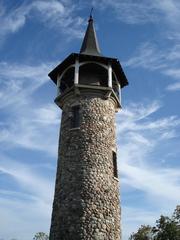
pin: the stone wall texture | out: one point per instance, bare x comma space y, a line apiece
86, 202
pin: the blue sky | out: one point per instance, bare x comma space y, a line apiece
35, 36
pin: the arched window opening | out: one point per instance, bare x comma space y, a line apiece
93, 74
67, 80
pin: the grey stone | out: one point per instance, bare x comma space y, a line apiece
86, 203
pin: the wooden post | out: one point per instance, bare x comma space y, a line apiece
109, 75
76, 72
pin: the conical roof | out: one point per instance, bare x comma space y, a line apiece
90, 44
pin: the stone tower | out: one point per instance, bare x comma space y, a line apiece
86, 202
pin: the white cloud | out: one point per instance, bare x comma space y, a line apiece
137, 117
165, 61
18, 214
51, 9
149, 56
33, 129
30, 203
32, 121
135, 12
174, 86
48, 115
60, 15
131, 12
161, 185
54, 14
17, 82
28, 178
134, 113
131, 217
173, 72
153, 57
144, 167
171, 10
28, 124
34, 125
11, 23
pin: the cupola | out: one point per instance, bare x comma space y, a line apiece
89, 70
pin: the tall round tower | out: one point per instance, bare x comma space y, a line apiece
86, 202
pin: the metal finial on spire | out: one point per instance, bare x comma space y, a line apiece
90, 15
91, 12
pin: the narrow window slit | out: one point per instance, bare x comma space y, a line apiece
115, 169
75, 120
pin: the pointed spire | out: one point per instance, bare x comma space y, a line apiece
90, 44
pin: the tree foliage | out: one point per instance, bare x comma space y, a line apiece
41, 236
167, 228
143, 233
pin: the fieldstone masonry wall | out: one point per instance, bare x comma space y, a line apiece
86, 202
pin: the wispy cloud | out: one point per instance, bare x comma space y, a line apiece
140, 134
19, 213
174, 87
19, 81
31, 123
135, 12
28, 125
150, 57
131, 11
159, 54
30, 129
29, 178
55, 14
31, 201
171, 11
131, 217
147, 140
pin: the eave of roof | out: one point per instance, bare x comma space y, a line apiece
116, 66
